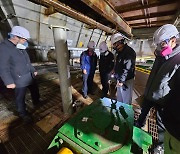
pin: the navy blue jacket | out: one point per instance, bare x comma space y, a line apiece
15, 65
88, 62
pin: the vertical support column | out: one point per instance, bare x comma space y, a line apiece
79, 35
99, 39
140, 49
60, 39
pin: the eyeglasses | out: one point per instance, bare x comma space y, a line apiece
163, 44
22, 38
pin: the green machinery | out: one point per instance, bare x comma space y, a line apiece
105, 126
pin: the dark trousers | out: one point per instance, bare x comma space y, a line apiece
20, 94
104, 82
87, 83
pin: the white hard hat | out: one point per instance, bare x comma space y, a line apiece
20, 31
103, 47
91, 45
165, 32
116, 37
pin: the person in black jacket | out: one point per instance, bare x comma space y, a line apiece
124, 68
16, 70
106, 64
163, 86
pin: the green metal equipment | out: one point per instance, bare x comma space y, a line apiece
105, 126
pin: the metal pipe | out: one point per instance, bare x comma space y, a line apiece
79, 35
91, 35
99, 39
62, 8
140, 49
60, 40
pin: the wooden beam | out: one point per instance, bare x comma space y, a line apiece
152, 15
176, 19
64, 9
49, 11
103, 8
138, 5
144, 33
153, 22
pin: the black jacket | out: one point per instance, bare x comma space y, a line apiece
125, 64
163, 90
106, 62
15, 65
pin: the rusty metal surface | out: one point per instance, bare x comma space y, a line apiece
62, 8
105, 10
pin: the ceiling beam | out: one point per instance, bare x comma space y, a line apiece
152, 22
176, 19
49, 11
103, 8
64, 9
138, 5
144, 32
152, 15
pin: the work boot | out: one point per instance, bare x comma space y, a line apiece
85, 96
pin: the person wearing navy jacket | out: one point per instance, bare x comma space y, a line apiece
88, 61
16, 70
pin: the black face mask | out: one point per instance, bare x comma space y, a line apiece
115, 47
117, 44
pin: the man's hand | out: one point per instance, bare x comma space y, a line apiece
119, 84
11, 86
35, 73
112, 72
84, 71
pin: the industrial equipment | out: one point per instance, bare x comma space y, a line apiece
105, 126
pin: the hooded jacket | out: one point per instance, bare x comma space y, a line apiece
163, 89
15, 65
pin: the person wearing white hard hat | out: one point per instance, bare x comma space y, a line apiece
106, 64
163, 86
88, 61
124, 70
16, 70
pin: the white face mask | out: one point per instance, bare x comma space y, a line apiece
22, 46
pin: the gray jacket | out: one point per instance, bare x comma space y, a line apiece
15, 65
163, 88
